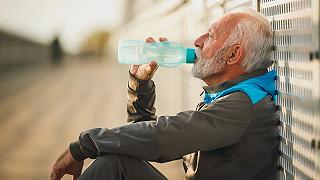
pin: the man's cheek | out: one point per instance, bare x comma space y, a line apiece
209, 53
208, 43
209, 50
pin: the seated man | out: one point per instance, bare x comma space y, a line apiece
231, 135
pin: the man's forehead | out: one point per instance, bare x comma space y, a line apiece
225, 23
213, 25
216, 27
217, 24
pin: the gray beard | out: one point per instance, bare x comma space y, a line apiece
205, 68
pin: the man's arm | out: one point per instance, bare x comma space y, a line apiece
140, 100
66, 163
141, 91
171, 137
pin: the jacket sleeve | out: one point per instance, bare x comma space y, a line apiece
140, 100
219, 124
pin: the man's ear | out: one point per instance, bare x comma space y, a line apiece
234, 55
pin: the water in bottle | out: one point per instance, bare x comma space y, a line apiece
166, 53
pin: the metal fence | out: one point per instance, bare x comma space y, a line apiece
295, 24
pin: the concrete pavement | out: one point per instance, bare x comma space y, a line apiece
40, 117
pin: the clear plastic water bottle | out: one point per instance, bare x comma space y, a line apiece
166, 53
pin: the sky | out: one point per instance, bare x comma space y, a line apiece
73, 20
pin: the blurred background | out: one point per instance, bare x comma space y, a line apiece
59, 74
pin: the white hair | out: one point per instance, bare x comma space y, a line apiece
255, 36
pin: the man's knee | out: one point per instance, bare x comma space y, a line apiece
104, 167
106, 161
120, 167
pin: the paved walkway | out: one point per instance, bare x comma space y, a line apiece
42, 110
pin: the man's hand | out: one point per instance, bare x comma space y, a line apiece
146, 71
66, 164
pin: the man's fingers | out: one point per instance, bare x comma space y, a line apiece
163, 39
145, 71
57, 172
152, 67
75, 177
153, 64
54, 176
150, 40
134, 69
148, 69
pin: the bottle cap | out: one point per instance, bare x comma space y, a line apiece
191, 55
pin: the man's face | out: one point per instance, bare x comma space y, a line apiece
210, 57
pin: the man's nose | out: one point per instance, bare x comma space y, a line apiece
199, 42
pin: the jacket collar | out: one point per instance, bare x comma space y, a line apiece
225, 85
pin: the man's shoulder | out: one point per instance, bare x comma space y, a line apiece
234, 100
239, 101
243, 98
236, 107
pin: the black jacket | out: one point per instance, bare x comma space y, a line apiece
228, 139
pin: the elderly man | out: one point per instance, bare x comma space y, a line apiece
231, 135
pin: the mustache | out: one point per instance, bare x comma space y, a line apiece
198, 53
